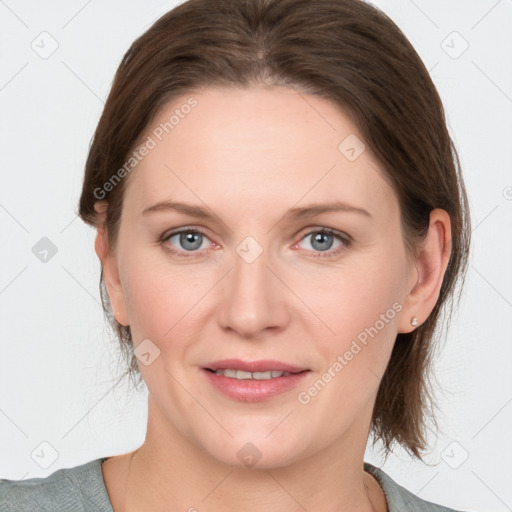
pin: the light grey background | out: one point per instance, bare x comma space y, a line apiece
57, 354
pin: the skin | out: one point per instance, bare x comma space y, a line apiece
249, 155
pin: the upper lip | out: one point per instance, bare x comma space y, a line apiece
254, 366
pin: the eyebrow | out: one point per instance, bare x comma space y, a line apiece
295, 213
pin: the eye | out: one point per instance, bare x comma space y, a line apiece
186, 241
323, 242
326, 241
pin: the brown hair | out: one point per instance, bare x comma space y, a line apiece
348, 52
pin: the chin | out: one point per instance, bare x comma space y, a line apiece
256, 450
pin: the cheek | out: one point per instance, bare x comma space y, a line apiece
361, 307
152, 304
362, 312
370, 301
163, 304
348, 301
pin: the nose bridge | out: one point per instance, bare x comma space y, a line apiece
253, 297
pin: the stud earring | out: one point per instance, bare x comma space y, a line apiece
414, 321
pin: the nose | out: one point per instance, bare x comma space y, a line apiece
254, 299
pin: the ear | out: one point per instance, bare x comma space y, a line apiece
426, 275
110, 267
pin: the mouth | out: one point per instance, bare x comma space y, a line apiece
253, 381
232, 373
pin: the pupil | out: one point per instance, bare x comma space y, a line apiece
191, 238
321, 238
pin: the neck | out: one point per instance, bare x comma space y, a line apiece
170, 472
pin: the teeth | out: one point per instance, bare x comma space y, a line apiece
243, 375
263, 375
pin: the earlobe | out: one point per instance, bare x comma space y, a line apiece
111, 277
431, 262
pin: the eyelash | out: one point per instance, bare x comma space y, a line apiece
347, 241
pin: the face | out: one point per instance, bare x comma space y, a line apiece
285, 254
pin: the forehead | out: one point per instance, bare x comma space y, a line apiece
257, 147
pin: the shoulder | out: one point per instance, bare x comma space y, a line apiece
399, 498
81, 488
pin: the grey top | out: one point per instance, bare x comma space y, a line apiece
82, 488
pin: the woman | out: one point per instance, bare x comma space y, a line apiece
280, 221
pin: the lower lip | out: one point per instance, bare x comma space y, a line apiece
250, 390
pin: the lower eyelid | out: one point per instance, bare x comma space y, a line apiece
346, 241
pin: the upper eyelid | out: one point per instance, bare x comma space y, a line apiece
307, 231
343, 237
